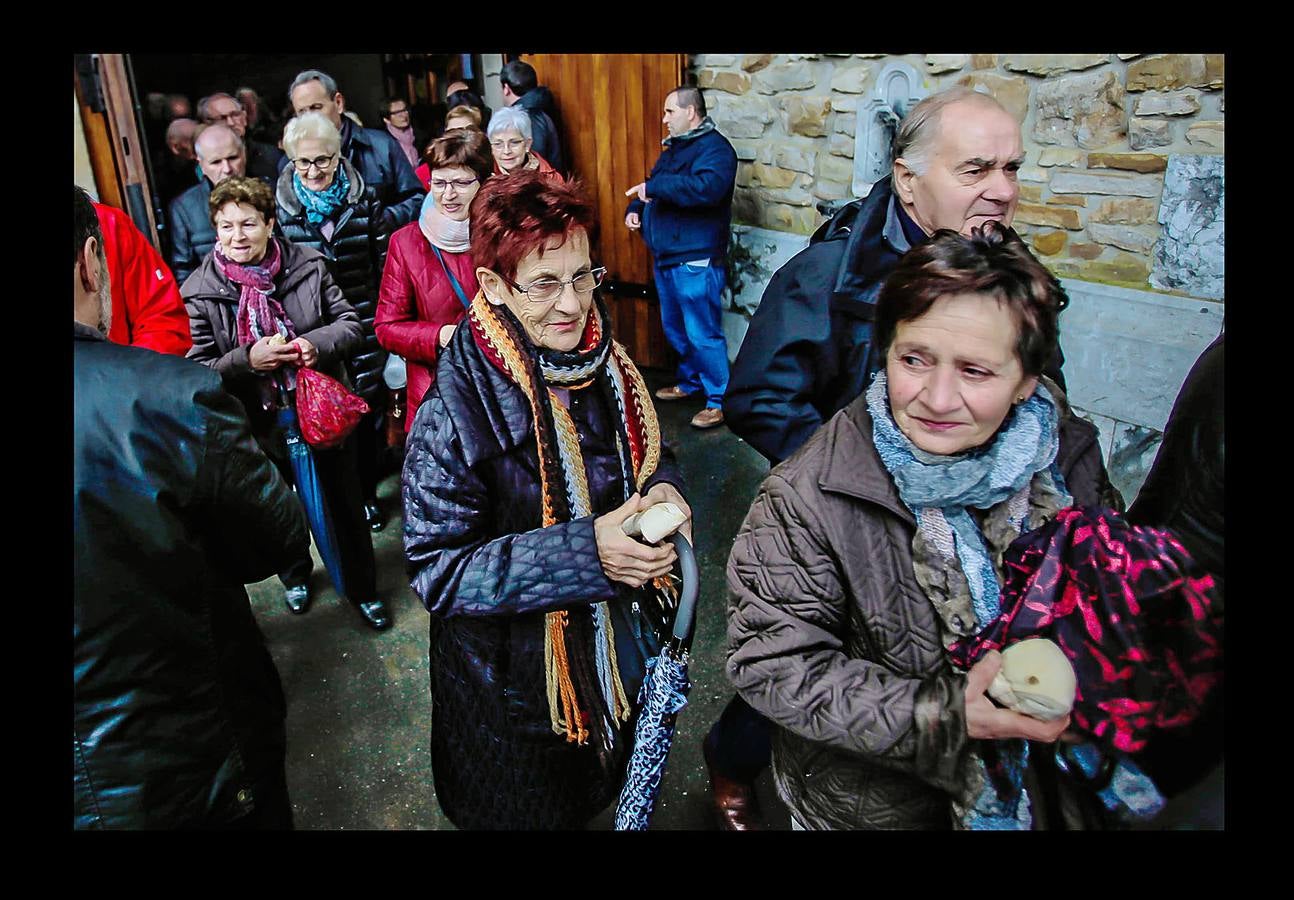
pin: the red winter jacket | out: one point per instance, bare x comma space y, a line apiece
146, 307
415, 300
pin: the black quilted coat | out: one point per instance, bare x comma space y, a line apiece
488, 573
832, 638
355, 254
177, 712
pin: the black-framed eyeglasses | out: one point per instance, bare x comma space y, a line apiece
440, 184
322, 163
546, 290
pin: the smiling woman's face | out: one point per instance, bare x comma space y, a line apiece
243, 233
953, 373
556, 324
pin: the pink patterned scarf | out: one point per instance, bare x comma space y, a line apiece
259, 314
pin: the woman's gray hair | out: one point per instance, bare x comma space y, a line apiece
311, 126
915, 138
510, 118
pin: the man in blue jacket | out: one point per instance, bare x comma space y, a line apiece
375, 153
684, 210
220, 153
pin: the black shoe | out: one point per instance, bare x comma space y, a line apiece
376, 614
297, 598
373, 516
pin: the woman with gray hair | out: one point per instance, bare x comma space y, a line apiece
324, 203
511, 138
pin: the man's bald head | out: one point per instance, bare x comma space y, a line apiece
916, 135
179, 137
220, 153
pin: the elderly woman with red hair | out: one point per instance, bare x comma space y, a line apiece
535, 443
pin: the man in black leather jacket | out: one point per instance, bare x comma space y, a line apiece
178, 712
809, 349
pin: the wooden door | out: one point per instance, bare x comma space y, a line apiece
609, 108
114, 139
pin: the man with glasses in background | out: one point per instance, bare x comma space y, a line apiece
396, 115
375, 153
263, 160
683, 211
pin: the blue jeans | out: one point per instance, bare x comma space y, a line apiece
690, 310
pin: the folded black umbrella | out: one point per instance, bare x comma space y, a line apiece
1136, 617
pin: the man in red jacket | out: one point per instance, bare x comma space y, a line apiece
146, 307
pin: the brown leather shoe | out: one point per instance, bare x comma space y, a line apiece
736, 808
673, 392
709, 417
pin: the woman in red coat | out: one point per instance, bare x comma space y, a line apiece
429, 277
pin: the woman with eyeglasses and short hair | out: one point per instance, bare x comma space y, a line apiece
511, 138
535, 444
429, 277
324, 203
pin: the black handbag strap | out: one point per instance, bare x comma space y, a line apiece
453, 282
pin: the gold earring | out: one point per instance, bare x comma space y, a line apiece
1019, 399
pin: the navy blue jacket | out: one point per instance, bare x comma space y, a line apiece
538, 104
488, 573
178, 712
809, 349
690, 189
385, 169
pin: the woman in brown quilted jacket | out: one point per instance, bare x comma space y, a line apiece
879, 543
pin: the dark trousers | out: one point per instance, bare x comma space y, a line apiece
340, 482
741, 742
370, 441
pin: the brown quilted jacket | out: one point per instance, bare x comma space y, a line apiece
831, 637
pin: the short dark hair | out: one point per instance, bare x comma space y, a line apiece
689, 95
252, 191
85, 222
512, 216
520, 77
462, 147
993, 261
465, 98
387, 103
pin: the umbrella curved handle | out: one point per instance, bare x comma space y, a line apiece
685, 617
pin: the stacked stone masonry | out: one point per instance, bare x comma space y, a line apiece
1099, 131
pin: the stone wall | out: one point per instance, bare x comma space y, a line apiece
1122, 182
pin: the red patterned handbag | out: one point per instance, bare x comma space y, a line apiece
327, 412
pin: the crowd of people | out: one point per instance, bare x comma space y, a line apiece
903, 376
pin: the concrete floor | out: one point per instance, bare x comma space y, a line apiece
359, 709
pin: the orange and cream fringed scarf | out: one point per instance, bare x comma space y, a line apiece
584, 694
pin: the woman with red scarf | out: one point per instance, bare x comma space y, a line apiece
536, 441
259, 307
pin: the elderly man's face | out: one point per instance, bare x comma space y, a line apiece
678, 119
311, 97
226, 111
220, 156
971, 174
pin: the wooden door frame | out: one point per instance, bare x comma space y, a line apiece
118, 153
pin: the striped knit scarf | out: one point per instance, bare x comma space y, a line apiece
585, 693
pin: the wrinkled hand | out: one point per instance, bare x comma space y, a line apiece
266, 357
446, 332
309, 353
641, 190
625, 559
986, 721
664, 492
633, 221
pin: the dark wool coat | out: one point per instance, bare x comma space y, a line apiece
831, 637
356, 253
177, 709
488, 573
311, 299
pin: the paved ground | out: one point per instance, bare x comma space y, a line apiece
359, 711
